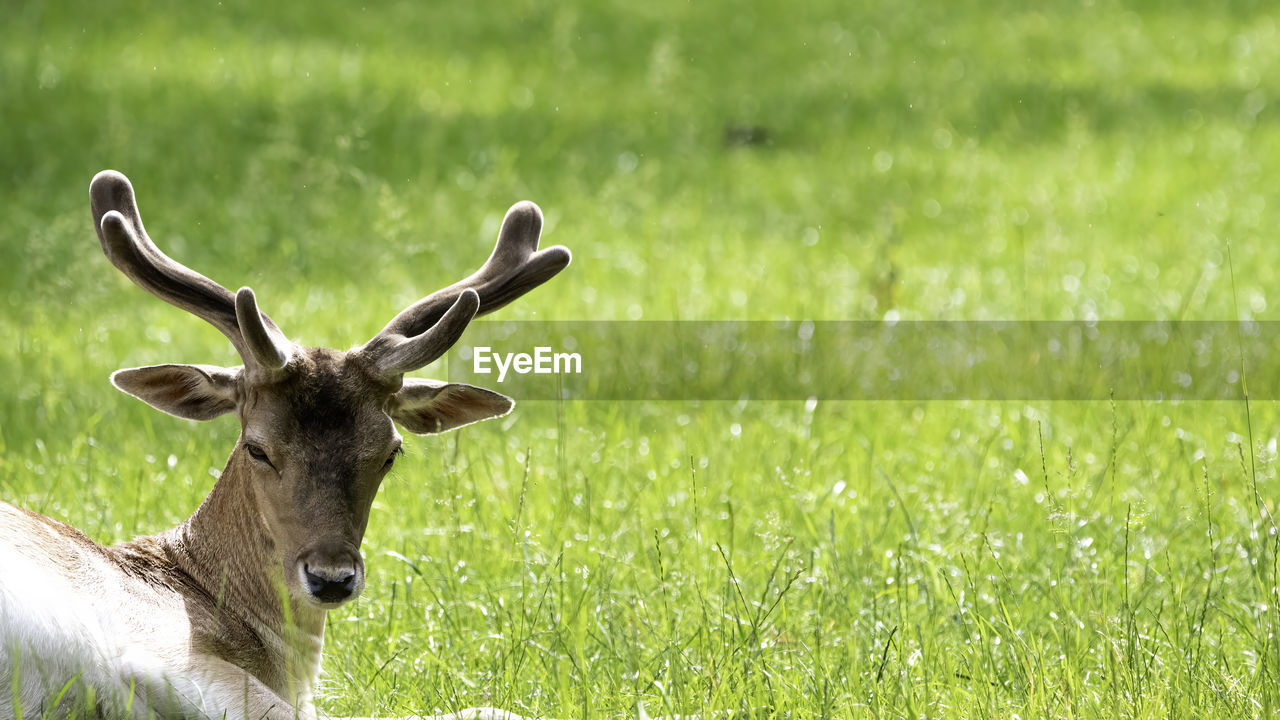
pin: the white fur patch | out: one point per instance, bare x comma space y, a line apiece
75, 638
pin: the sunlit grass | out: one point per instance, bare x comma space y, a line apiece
945, 161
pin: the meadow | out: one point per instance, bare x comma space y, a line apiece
828, 160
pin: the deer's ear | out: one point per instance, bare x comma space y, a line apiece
430, 406
194, 392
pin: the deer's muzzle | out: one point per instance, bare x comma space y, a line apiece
331, 573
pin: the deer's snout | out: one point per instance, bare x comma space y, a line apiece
331, 573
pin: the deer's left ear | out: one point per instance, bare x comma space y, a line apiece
430, 406
194, 392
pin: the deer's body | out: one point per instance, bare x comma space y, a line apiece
223, 616
128, 622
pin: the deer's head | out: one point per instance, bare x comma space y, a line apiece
318, 425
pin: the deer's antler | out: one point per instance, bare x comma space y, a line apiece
427, 329
255, 336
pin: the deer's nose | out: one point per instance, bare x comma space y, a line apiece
331, 575
329, 586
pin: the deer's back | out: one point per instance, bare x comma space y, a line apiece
69, 616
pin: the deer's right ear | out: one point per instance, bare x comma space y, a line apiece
426, 407
194, 392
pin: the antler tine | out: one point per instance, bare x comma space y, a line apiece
419, 350
269, 347
130, 249
515, 267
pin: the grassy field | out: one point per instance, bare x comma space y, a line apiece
705, 161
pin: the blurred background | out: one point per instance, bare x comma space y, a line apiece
704, 160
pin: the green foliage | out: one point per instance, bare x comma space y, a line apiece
821, 160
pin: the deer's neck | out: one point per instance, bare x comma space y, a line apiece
226, 548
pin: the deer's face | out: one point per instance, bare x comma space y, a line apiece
316, 445
316, 440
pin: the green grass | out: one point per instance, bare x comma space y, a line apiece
941, 160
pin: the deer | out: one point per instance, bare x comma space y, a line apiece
224, 615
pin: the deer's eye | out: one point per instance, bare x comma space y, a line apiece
258, 454
391, 459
